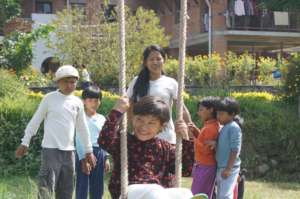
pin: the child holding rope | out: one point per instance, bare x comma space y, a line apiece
151, 160
204, 170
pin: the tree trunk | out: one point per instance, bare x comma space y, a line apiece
299, 106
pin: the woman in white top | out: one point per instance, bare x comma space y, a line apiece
85, 77
152, 81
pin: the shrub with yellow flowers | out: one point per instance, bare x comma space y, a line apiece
32, 77
292, 82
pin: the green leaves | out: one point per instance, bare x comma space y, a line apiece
279, 5
8, 9
96, 43
16, 53
292, 83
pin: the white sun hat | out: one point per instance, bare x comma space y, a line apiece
66, 71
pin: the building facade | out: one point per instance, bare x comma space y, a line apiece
237, 25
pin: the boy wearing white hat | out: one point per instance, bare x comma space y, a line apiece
62, 113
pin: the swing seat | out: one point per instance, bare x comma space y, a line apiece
155, 191
200, 196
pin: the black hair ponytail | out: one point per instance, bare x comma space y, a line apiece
239, 120
141, 85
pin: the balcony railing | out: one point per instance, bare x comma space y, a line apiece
265, 21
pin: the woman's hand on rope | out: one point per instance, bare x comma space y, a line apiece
181, 129
122, 104
21, 151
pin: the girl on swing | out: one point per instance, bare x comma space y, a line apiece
151, 160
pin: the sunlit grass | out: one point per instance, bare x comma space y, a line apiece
26, 188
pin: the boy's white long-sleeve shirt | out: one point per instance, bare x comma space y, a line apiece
61, 114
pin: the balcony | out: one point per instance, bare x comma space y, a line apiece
265, 21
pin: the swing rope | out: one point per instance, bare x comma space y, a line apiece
181, 74
122, 92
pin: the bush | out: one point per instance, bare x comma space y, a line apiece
270, 131
33, 78
10, 86
200, 71
222, 72
16, 51
292, 82
14, 115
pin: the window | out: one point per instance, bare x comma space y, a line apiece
43, 7
80, 6
110, 13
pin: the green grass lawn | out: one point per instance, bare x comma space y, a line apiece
26, 188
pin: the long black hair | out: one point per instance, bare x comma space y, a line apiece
141, 86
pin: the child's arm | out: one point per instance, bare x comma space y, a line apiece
235, 137
210, 138
32, 127
83, 133
109, 136
86, 167
193, 129
79, 149
206, 140
232, 157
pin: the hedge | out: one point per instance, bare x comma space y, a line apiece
270, 132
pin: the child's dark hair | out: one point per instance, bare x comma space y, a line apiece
210, 102
92, 91
231, 106
141, 86
151, 105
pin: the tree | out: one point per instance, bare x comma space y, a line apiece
95, 44
278, 5
16, 52
292, 81
8, 9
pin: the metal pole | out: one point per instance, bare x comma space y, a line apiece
68, 4
209, 27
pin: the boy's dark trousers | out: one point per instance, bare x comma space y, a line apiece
93, 183
56, 176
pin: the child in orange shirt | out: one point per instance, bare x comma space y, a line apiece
204, 170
